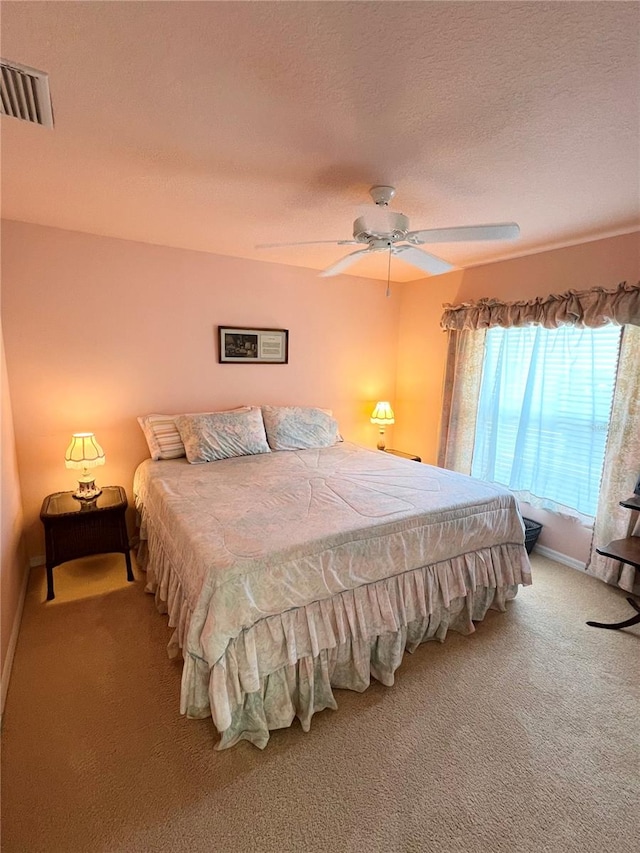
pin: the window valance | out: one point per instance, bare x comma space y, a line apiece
592, 308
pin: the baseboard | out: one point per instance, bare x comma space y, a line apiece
13, 642
37, 561
559, 558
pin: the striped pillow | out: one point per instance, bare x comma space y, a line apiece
163, 438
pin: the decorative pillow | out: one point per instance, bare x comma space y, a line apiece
163, 438
299, 427
220, 435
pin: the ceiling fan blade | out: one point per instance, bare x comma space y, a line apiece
343, 263
466, 233
421, 259
306, 243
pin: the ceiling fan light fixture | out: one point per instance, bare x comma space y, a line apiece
380, 224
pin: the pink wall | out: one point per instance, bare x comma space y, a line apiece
14, 563
422, 344
100, 330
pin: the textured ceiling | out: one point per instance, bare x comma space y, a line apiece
216, 126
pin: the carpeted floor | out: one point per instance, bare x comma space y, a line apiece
522, 737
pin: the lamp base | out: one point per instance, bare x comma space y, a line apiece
87, 490
381, 445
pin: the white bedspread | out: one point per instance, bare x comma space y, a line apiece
250, 537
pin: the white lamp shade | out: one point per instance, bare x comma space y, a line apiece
383, 414
84, 451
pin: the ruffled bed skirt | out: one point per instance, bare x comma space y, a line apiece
286, 666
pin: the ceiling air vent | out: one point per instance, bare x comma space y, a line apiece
24, 94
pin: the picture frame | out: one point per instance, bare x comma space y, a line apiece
252, 346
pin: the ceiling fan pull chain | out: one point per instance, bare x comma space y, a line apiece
388, 293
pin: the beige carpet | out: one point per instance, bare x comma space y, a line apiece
522, 737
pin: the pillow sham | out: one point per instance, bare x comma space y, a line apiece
299, 427
221, 435
163, 438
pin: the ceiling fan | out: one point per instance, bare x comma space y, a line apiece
384, 230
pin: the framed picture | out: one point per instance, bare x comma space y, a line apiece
252, 346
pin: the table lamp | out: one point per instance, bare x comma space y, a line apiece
84, 452
383, 416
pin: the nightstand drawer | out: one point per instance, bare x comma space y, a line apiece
91, 534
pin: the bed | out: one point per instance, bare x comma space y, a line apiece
290, 574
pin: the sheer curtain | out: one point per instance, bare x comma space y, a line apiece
543, 414
594, 308
460, 399
621, 466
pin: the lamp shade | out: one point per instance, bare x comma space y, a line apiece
84, 451
383, 414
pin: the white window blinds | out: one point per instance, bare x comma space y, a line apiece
543, 413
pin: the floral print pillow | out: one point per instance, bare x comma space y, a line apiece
221, 435
299, 427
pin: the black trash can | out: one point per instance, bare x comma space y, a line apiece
531, 532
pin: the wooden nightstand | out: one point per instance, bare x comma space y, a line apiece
74, 528
403, 455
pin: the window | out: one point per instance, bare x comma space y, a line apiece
543, 413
